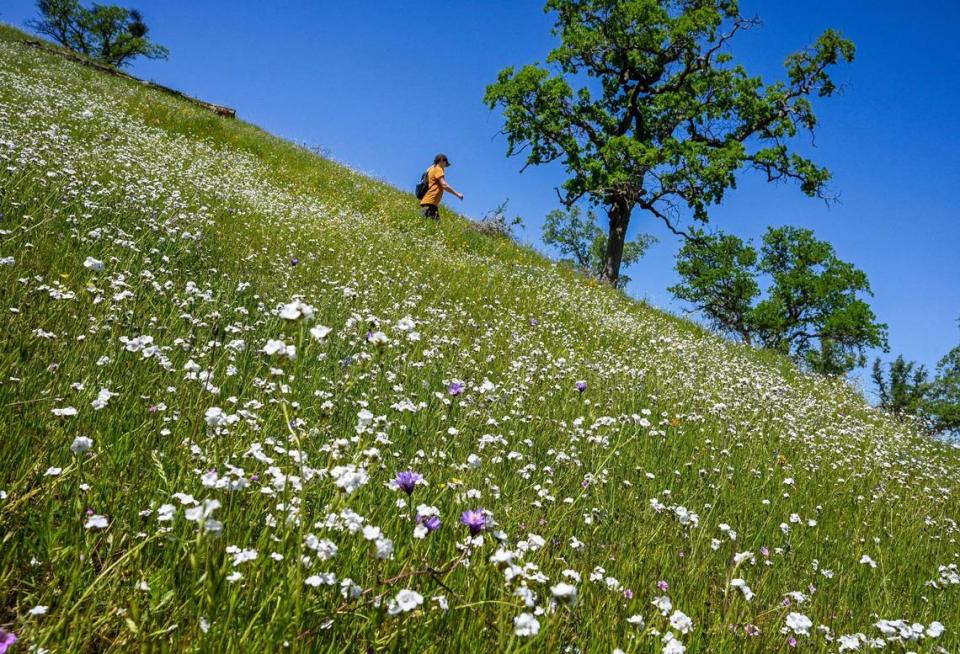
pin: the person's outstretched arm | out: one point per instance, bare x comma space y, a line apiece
447, 187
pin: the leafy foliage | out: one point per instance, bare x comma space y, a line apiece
719, 273
811, 311
644, 107
111, 34
583, 243
903, 391
943, 402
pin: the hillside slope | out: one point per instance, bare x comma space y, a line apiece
221, 350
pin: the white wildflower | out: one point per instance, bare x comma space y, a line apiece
681, 622
799, 623
319, 332
405, 601
526, 624
81, 444
565, 592
96, 522
93, 264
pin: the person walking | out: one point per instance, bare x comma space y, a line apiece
436, 184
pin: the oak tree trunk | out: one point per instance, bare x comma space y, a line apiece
619, 215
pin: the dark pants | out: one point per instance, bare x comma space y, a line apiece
430, 211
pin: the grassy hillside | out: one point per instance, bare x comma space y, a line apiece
220, 350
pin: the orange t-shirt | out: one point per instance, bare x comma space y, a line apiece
434, 190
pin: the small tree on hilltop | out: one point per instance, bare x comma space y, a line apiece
496, 223
646, 109
812, 310
903, 390
583, 244
943, 402
107, 33
720, 280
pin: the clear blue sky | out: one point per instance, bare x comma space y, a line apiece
386, 85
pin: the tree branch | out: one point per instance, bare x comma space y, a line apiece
649, 206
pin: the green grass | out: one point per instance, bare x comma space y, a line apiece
196, 220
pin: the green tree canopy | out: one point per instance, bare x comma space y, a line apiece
720, 279
583, 244
108, 33
943, 402
811, 308
903, 390
645, 108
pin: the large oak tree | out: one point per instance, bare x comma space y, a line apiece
583, 244
646, 109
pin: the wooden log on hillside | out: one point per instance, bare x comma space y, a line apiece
218, 109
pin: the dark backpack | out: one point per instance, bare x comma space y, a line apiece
423, 186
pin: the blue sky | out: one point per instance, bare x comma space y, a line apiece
386, 85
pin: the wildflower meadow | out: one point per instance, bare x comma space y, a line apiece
252, 401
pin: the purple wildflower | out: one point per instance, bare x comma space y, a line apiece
407, 481
662, 585
456, 388
628, 593
431, 522
792, 642
475, 520
581, 386
533, 322
765, 551
294, 261
7, 639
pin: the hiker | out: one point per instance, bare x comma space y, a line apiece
433, 184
